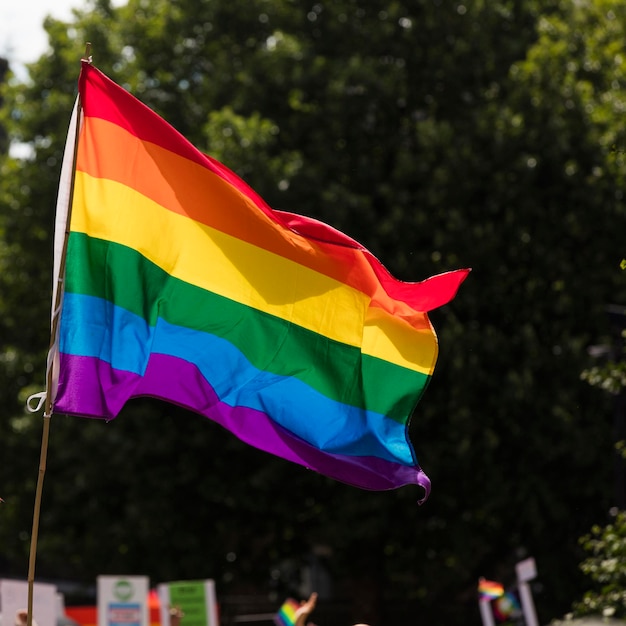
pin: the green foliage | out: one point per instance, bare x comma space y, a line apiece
4, 143
610, 377
606, 566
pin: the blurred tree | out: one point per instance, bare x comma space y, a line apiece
441, 135
606, 566
4, 143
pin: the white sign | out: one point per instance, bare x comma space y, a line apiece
526, 570
14, 598
123, 601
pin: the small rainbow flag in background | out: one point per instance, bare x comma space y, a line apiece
506, 607
182, 284
286, 615
489, 589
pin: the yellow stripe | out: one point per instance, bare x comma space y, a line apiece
399, 342
267, 282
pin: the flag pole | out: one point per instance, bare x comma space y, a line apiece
50, 382
486, 614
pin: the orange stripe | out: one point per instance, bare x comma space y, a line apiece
189, 189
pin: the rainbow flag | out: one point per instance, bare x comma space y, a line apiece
180, 283
489, 589
286, 615
507, 607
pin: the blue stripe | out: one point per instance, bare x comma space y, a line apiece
94, 327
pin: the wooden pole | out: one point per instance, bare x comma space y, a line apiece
56, 312
36, 514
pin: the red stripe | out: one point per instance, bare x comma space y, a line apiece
102, 98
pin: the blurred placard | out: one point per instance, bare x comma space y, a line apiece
14, 598
196, 599
526, 570
123, 601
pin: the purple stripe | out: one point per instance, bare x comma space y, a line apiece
98, 390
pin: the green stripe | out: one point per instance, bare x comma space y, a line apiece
124, 277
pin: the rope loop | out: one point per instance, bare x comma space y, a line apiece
40, 397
